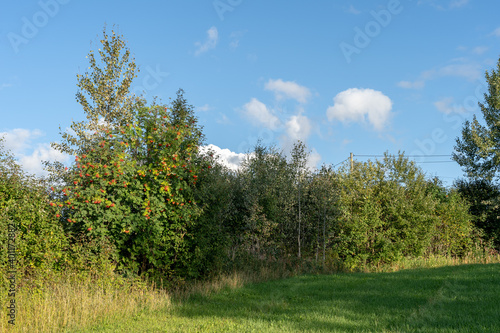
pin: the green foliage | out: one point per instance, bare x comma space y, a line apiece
388, 212
323, 210
40, 240
215, 231
104, 94
477, 152
484, 199
267, 208
455, 233
135, 188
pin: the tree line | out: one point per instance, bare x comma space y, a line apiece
141, 199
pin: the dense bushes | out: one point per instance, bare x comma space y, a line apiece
121, 202
135, 188
40, 241
484, 199
389, 211
377, 213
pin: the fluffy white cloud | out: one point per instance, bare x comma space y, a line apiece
19, 139
19, 142
227, 157
259, 114
298, 127
314, 159
210, 43
288, 89
447, 106
359, 105
32, 163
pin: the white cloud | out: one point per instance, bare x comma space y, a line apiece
298, 127
32, 163
418, 84
210, 43
470, 72
288, 89
260, 114
359, 105
314, 159
447, 106
19, 142
19, 139
227, 157
496, 32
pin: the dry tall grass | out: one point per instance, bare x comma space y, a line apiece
68, 302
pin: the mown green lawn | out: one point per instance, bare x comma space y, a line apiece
448, 299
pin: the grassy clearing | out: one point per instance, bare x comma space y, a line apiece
463, 298
375, 301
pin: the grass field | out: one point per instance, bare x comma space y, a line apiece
463, 298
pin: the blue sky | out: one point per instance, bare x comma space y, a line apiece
343, 76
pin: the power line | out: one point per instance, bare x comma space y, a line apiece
405, 155
436, 162
341, 162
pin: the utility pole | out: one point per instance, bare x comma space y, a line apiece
352, 163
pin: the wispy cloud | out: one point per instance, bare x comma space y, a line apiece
479, 50
468, 70
447, 105
223, 119
204, 108
418, 84
210, 42
496, 32
288, 89
453, 4
5, 85
235, 37
458, 3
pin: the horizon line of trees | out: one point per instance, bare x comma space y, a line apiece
141, 199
